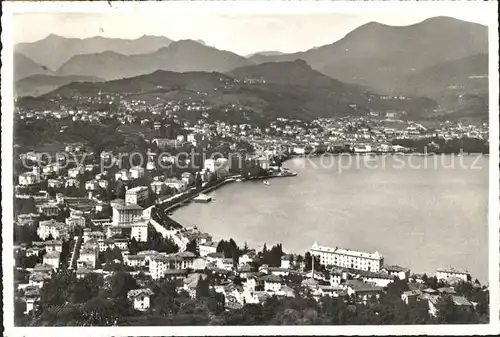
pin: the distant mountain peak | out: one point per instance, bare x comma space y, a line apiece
187, 42
53, 36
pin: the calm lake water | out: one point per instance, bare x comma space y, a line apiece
417, 212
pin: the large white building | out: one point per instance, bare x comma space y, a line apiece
207, 248
58, 230
136, 195
159, 264
348, 258
126, 214
139, 230
75, 221
447, 273
134, 260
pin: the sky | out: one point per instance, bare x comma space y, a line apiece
242, 32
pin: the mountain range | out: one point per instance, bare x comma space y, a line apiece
53, 51
441, 58
24, 67
380, 56
465, 75
180, 56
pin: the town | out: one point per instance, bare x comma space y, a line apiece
95, 243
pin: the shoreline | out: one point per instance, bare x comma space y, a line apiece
379, 154
189, 197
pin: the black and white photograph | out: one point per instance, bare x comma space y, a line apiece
250, 167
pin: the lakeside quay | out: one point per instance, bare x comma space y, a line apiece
182, 199
185, 197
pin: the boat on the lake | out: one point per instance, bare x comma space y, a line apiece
202, 198
267, 183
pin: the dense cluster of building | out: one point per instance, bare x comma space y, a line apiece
344, 273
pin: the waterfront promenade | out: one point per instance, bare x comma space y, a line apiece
155, 213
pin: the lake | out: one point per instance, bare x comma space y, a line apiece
418, 212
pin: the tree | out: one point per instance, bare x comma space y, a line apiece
202, 288
432, 282
51, 191
99, 311
121, 283
133, 246
425, 279
299, 259
165, 302
57, 290
192, 247
418, 313
19, 309
86, 288
25, 234
229, 249
396, 288
215, 302
120, 190
446, 310
308, 262
198, 180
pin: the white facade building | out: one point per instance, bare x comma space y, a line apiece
136, 195
272, 283
139, 230
137, 172
207, 248
159, 264
348, 258
209, 164
140, 298
75, 221
58, 230
447, 273
126, 214
28, 178
134, 260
